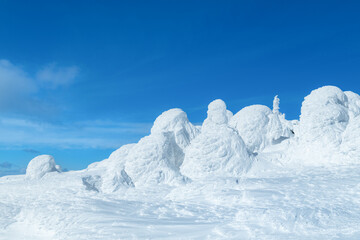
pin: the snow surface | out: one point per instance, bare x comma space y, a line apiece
252, 175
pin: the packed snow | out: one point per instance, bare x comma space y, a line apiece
249, 175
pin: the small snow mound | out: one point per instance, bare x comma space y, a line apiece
40, 165
115, 180
108, 182
218, 150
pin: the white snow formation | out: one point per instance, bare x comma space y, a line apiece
252, 175
154, 159
328, 121
218, 150
261, 127
41, 165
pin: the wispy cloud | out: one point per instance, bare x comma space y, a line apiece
15, 86
32, 151
20, 96
87, 134
53, 76
7, 168
19, 90
5, 165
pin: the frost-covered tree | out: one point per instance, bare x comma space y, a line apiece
218, 150
276, 105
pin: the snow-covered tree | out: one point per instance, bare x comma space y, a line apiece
276, 105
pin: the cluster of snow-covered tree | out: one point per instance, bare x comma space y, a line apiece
228, 145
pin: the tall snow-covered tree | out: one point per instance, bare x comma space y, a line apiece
276, 105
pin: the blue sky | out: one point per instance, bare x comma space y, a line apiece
80, 78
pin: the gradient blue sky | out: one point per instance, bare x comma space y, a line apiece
80, 78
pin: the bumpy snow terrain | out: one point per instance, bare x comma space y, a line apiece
251, 175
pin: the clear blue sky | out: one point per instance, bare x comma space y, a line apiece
80, 78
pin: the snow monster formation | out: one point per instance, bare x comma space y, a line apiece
328, 126
41, 165
218, 151
226, 145
154, 159
260, 127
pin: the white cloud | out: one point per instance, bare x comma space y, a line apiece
23, 133
15, 85
54, 76
20, 95
20, 91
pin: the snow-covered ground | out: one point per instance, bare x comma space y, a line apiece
315, 203
252, 175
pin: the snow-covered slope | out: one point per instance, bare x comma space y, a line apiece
252, 175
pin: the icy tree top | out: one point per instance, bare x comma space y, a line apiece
276, 105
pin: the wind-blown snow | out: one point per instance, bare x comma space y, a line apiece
252, 175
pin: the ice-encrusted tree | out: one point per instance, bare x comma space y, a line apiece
218, 150
276, 105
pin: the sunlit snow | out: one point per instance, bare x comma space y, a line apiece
251, 175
